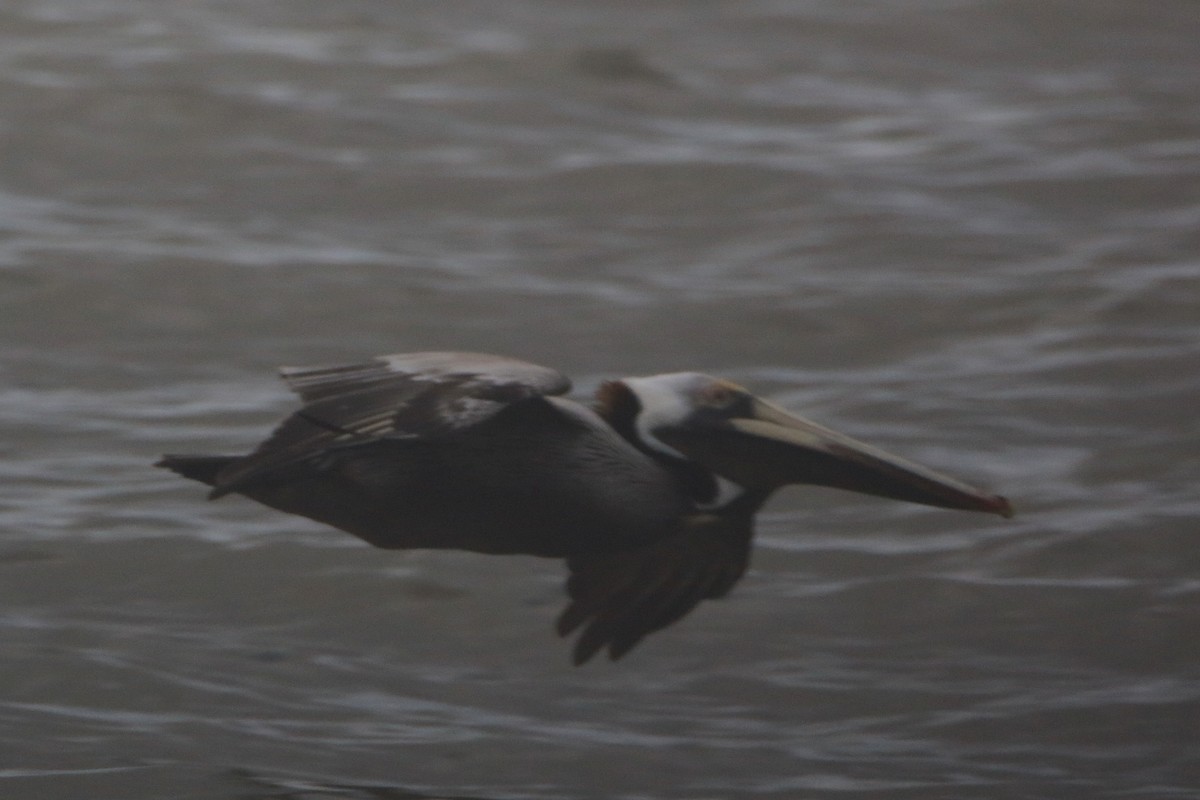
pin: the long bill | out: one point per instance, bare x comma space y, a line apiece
770, 448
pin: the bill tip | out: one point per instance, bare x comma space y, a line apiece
1002, 507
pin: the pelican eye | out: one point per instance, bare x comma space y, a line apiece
721, 396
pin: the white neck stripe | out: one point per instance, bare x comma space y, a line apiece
727, 492
662, 404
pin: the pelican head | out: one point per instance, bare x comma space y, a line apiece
758, 446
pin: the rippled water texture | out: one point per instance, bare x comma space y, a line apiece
967, 231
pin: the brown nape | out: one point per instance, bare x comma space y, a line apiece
617, 404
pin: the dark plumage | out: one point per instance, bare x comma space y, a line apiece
649, 495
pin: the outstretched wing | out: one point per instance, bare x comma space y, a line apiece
411, 396
620, 598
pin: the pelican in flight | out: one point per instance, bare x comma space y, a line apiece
649, 493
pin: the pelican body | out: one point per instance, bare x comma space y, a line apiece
649, 494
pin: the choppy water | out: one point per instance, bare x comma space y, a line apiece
965, 230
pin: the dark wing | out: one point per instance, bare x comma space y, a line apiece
619, 598
406, 397
442, 368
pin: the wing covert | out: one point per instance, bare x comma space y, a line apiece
399, 397
424, 370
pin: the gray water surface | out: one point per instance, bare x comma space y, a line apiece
966, 231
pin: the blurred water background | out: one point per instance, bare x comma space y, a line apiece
965, 230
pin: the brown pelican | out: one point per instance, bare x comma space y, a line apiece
649, 494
